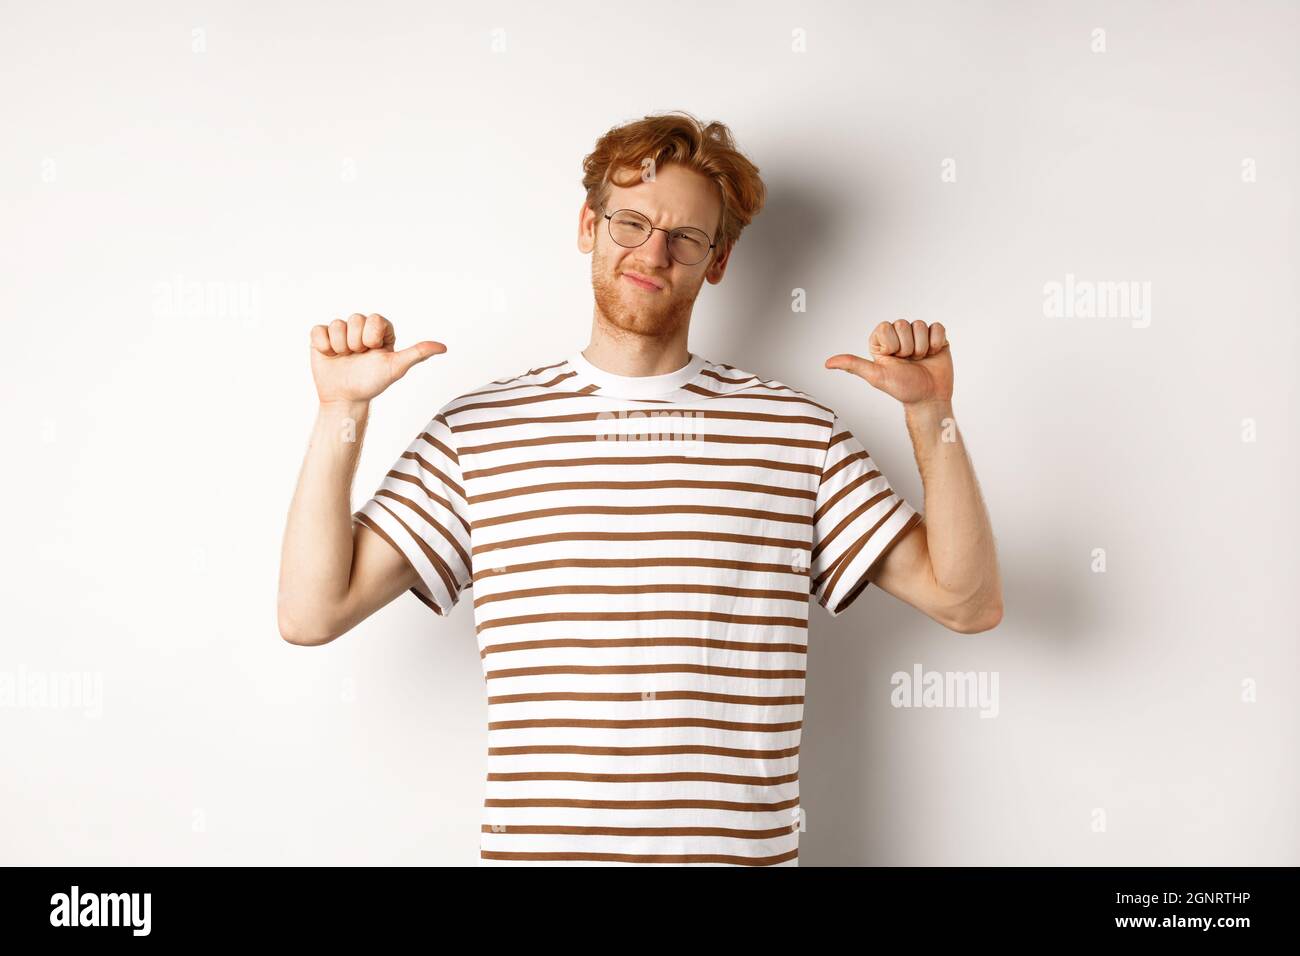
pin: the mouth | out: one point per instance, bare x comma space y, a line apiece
641, 282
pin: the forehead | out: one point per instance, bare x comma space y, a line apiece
676, 197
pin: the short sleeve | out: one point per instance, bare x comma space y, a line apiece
859, 517
420, 509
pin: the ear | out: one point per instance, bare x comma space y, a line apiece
719, 264
587, 222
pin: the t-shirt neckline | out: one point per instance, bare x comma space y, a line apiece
633, 386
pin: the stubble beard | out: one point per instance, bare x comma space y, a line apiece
620, 307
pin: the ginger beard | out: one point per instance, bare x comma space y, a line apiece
620, 305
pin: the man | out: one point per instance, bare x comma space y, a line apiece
642, 529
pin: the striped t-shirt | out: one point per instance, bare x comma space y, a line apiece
642, 550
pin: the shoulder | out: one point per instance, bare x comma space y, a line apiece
507, 391
730, 381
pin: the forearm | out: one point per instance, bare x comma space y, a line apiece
316, 559
959, 536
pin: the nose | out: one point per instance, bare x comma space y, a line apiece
655, 250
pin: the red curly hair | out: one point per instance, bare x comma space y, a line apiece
678, 137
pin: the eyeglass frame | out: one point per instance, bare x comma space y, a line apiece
609, 219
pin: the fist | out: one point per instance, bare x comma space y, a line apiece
354, 361
913, 362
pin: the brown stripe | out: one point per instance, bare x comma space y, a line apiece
748, 392
683, 615
531, 371
635, 858
664, 483
711, 510
757, 673
760, 384
847, 558
683, 562
513, 444
644, 751
842, 464
847, 489
427, 600
729, 381
687, 535
696, 415
431, 495
863, 581
755, 646
513, 402
639, 697
508, 387
539, 829
789, 394
449, 453
684, 776
751, 593
434, 558
848, 520
851, 552
443, 477
370, 523
429, 520
727, 805
641, 460
645, 723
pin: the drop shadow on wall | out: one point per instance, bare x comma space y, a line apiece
863, 815
853, 770
782, 250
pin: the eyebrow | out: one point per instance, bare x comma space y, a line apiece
678, 226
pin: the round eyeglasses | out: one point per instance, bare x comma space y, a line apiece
686, 244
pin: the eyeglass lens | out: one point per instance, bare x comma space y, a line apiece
687, 245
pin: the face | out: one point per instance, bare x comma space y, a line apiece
676, 197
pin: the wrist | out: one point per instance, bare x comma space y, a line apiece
344, 408
930, 409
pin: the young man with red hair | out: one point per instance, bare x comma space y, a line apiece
642, 529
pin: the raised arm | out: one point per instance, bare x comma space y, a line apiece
947, 565
333, 576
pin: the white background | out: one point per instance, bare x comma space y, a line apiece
316, 159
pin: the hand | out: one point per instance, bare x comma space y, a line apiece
354, 361
913, 362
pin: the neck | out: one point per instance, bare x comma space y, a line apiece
621, 352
